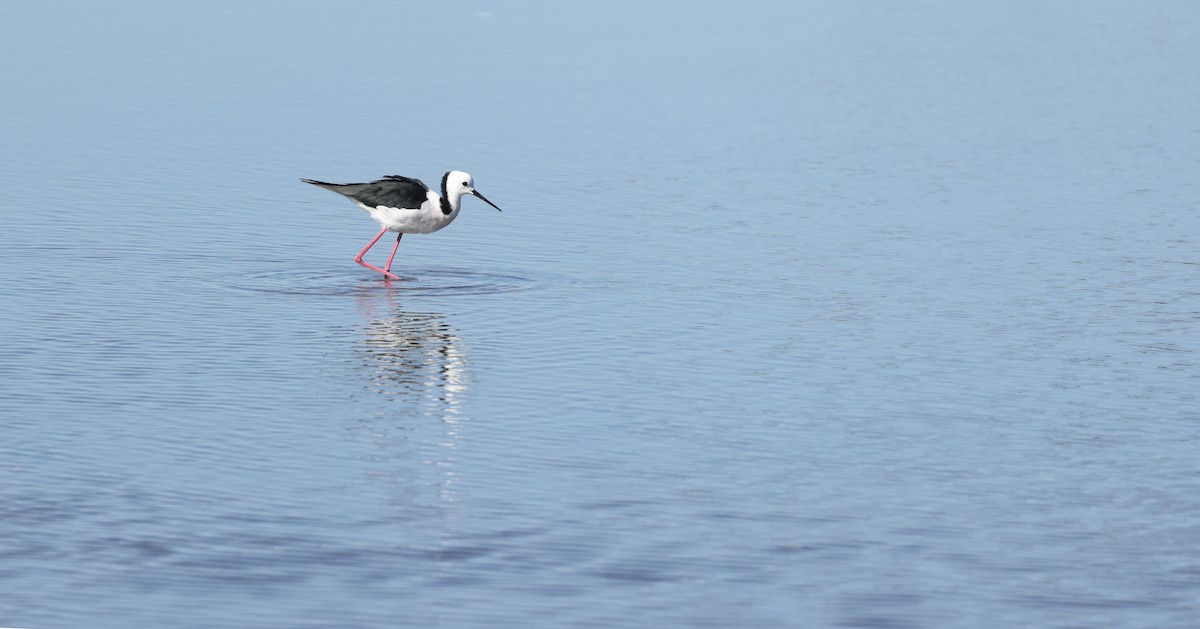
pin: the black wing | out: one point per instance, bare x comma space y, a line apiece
392, 191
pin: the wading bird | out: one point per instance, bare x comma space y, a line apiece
406, 206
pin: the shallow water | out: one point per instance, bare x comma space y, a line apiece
803, 314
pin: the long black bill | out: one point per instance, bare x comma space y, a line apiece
476, 193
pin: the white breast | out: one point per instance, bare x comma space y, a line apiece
424, 220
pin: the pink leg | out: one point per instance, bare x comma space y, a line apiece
359, 258
388, 268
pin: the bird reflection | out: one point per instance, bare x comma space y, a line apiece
415, 362
417, 357
415, 354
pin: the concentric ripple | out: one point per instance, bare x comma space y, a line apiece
432, 282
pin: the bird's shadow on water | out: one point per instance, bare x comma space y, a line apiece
354, 281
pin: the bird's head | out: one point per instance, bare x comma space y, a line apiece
458, 183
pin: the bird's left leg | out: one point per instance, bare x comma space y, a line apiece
388, 268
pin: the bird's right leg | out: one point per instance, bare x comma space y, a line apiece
359, 258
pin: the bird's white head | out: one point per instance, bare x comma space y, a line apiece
456, 183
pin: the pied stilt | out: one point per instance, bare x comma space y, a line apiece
406, 206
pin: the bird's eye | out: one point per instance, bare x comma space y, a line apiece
464, 183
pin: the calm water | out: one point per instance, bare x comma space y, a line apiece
799, 314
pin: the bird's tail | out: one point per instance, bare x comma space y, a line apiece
347, 189
327, 186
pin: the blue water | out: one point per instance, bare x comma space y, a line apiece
812, 314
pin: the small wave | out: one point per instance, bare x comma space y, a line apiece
432, 282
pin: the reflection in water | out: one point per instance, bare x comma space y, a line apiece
413, 355
416, 360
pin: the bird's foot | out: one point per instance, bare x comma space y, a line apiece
387, 275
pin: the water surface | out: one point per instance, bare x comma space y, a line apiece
799, 314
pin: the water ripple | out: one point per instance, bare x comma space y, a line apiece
351, 281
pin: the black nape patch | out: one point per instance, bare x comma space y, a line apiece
446, 209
